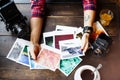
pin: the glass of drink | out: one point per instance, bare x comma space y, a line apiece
106, 16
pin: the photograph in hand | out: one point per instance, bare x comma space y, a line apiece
49, 57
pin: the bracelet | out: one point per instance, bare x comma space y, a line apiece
87, 29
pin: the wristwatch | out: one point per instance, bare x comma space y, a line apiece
87, 29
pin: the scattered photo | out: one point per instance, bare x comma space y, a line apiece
68, 65
63, 35
78, 30
49, 38
23, 57
49, 57
70, 48
15, 50
61, 49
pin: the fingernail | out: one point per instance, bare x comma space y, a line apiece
35, 59
81, 49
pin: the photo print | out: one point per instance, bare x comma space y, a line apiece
70, 48
63, 35
49, 57
15, 50
23, 57
68, 65
49, 38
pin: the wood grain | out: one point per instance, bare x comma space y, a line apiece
69, 15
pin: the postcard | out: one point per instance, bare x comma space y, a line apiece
70, 48
49, 57
78, 30
15, 50
68, 65
23, 57
48, 38
63, 35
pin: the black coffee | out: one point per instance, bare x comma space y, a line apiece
87, 75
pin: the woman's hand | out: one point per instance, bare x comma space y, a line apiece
34, 50
85, 42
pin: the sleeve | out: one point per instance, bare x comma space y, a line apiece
37, 8
89, 4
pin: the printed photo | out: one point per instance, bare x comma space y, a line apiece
15, 50
23, 57
70, 48
68, 65
49, 57
49, 38
63, 35
78, 30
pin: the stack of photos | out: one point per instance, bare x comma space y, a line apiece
60, 50
52, 38
48, 57
78, 31
67, 40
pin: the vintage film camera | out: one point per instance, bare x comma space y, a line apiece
13, 19
101, 45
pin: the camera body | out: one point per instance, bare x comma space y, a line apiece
13, 19
101, 45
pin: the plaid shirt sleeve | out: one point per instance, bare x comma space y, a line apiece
89, 4
37, 8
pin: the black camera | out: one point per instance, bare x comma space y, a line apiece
101, 45
13, 19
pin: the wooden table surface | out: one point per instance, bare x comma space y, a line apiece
69, 15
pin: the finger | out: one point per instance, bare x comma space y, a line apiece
33, 52
85, 48
83, 42
33, 55
36, 50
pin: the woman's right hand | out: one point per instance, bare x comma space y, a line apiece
85, 42
34, 50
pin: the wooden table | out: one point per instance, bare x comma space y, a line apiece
69, 15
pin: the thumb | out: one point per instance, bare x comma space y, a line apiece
36, 50
33, 55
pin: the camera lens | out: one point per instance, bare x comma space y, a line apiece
16, 29
98, 51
